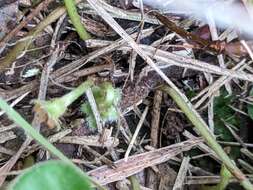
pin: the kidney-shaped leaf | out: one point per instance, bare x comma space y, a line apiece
51, 175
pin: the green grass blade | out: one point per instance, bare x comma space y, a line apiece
20, 121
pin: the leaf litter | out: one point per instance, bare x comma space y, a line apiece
179, 50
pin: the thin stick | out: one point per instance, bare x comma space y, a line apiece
21, 25
131, 144
94, 109
156, 118
245, 45
22, 45
211, 89
179, 183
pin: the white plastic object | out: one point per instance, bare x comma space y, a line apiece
226, 13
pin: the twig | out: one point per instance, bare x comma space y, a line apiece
46, 72
90, 141
131, 144
202, 146
123, 14
7, 151
156, 118
170, 58
133, 56
16, 101
233, 133
235, 144
7, 128
246, 166
200, 180
94, 109
245, 45
247, 153
211, 89
152, 180
179, 183
215, 37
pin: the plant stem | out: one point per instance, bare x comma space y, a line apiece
202, 128
225, 177
134, 183
20, 121
75, 18
69, 98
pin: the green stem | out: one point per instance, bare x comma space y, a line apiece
75, 18
69, 98
202, 128
134, 183
20, 121
55, 108
225, 177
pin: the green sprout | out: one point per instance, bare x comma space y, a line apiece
225, 177
51, 110
106, 98
76, 20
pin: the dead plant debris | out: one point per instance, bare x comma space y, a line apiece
135, 49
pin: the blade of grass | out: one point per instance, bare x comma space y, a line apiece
20, 121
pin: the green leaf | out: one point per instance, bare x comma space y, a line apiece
51, 175
106, 98
222, 112
85, 108
250, 106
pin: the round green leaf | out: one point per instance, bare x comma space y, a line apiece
51, 175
